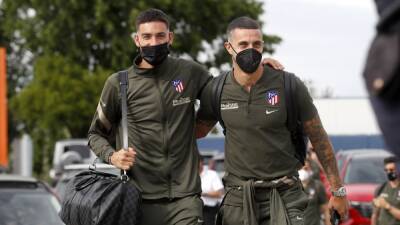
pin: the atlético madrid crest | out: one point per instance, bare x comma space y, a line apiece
178, 84
272, 97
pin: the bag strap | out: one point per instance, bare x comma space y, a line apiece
123, 82
217, 88
380, 189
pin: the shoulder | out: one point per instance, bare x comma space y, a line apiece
273, 73
187, 63
113, 79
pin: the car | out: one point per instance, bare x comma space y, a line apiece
70, 151
361, 171
27, 201
71, 170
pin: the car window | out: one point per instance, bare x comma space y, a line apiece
82, 150
365, 170
28, 208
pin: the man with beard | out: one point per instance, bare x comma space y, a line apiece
261, 179
162, 158
387, 201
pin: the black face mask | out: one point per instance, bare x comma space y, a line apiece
156, 54
391, 176
248, 60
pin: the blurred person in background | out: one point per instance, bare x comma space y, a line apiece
387, 201
315, 165
318, 202
212, 192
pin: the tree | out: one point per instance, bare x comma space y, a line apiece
54, 44
98, 32
58, 103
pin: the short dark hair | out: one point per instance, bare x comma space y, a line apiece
152, 15
243, 22
390, 159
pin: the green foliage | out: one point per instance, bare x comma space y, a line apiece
58, 103
60, 53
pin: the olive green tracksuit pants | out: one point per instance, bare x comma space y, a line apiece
178, 211
263, 203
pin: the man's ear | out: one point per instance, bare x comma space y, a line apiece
136, 40
228, 48
171, 37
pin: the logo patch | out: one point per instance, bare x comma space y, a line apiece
178, 84
272, 111
226, 106
272, 97
181, 101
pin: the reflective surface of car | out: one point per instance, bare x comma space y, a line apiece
27, 201
362, 172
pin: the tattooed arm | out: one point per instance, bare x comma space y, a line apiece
324, 150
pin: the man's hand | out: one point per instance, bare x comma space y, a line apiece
340, 204
274, 63
380, 202
123, 159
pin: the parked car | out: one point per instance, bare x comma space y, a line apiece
27, 201
362, 172
70, 151
73, 169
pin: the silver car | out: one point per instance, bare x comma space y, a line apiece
27, 201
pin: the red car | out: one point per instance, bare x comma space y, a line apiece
362, 172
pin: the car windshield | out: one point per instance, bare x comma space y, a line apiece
28, 208
365, 170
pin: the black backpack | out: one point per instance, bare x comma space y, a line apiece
293, 122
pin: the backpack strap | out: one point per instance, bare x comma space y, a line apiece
380, 189
293, 122
290, 88
217, 87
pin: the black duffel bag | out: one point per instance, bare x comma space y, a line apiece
94, 197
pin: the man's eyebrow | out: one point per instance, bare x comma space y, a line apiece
145, 34
149, 34
243, 42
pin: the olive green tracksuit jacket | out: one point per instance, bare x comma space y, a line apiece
161, 120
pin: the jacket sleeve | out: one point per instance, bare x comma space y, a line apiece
102, 131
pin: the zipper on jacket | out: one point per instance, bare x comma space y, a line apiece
165, 136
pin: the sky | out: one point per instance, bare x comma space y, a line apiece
325, 41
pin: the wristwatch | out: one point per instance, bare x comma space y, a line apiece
340, 192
